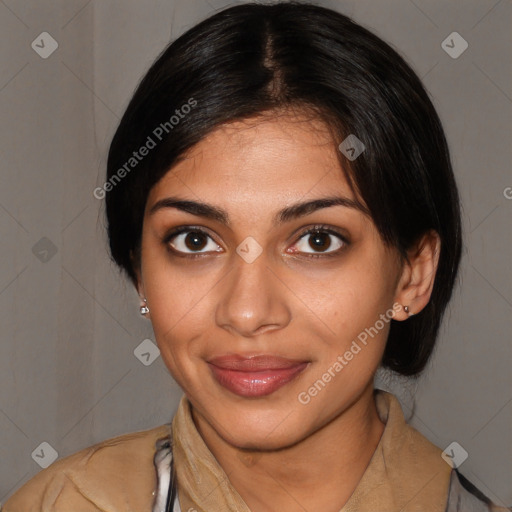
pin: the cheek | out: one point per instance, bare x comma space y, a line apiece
173, 302
178, 333
172, 290
347, 299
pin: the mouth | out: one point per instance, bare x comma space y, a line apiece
254, 376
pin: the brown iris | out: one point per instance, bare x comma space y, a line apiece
195, 240
320, 241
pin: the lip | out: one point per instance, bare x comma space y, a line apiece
254, 376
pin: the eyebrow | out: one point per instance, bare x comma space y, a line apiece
287, 214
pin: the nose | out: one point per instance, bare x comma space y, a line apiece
253, 299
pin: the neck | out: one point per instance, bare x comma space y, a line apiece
331, 461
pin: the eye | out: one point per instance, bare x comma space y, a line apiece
188, 240
320, 241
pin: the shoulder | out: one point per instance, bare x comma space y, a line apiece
117, 474
464, 496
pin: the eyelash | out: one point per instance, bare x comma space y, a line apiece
317, 229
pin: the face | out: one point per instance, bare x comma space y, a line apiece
257, 303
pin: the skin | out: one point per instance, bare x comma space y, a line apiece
275, 449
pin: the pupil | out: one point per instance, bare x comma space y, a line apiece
319, 241
193, 241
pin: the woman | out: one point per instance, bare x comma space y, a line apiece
280, 193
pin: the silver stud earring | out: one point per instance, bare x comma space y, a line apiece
406, 309
144, 308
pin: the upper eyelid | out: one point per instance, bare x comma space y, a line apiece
325, 229
185, 229
316, 227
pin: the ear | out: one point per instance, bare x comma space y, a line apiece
139, 285
418, 274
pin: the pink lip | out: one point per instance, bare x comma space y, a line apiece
254, 376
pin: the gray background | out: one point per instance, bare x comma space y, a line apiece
70, 325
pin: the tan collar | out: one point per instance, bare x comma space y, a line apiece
406, 471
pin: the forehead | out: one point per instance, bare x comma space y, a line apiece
259, 161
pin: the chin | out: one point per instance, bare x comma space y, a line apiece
262, 430
260, 441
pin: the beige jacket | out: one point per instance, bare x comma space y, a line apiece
116, 475
123, 474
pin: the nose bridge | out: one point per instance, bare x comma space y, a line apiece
252, 298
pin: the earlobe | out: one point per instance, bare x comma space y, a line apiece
144, 310
418, 275
139, 285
